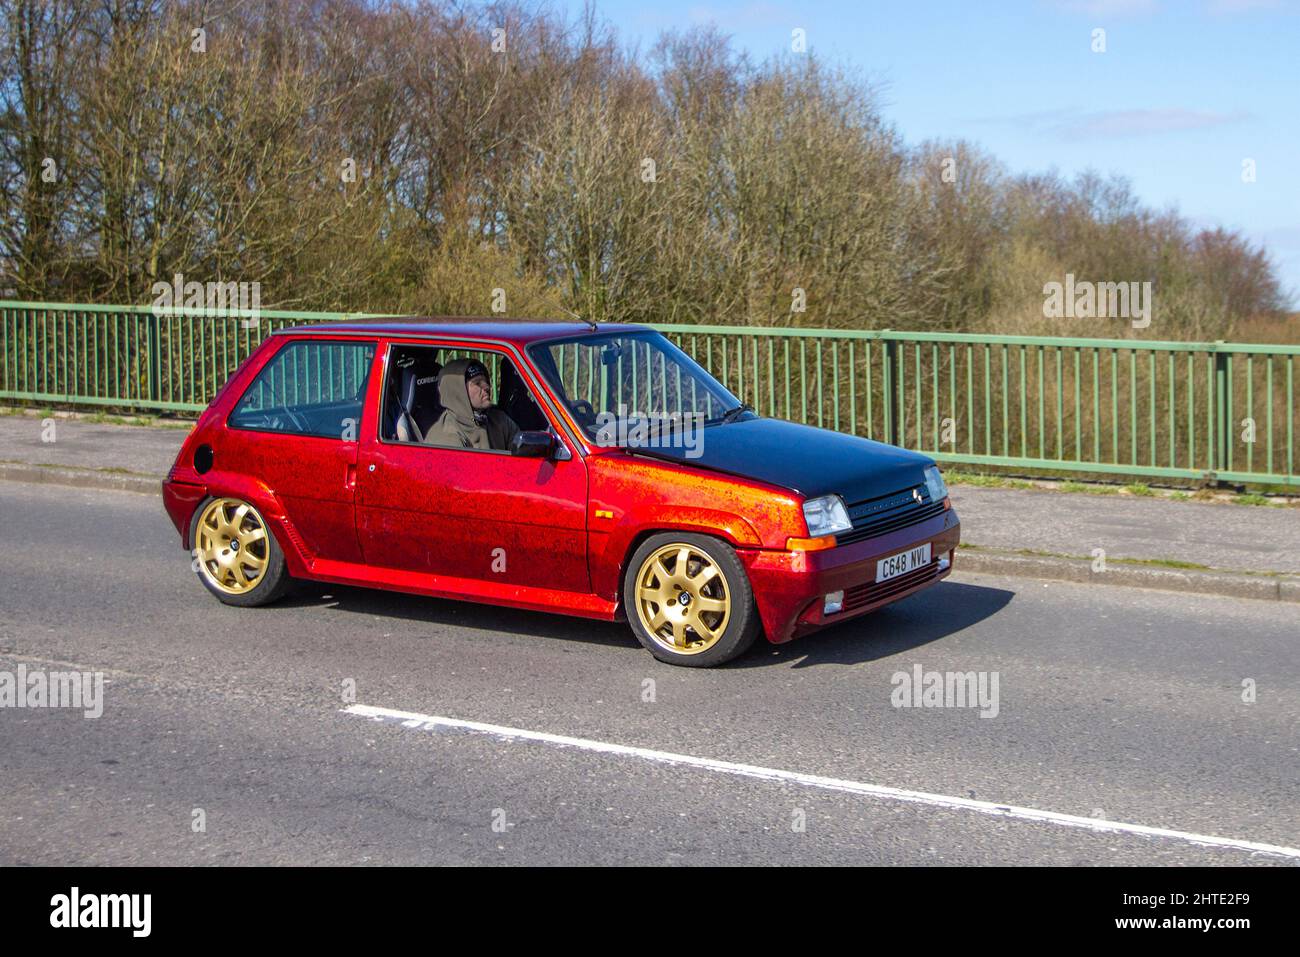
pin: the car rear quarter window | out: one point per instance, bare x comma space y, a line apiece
310, 387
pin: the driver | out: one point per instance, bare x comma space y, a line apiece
469, 419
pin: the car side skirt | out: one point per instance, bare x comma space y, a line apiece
462, 589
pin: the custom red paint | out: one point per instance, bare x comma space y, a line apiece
556, 533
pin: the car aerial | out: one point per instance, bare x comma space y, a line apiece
587, 469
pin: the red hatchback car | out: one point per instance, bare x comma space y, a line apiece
592, 470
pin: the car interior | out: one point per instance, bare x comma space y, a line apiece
411, 404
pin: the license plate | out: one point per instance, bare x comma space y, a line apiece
903, 562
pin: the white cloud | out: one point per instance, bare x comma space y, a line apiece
739, 16
1242, 6
1131, 8
1109, 8
1075, 124
1137, 122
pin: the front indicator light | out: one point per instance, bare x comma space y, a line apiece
810, 544
944, 563
834, 603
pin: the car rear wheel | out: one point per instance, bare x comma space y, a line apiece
235, 555
689, 601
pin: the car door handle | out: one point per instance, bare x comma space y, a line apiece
350, 476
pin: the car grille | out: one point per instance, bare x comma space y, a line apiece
859, 596
888, 513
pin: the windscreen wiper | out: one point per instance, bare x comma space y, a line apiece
731, 415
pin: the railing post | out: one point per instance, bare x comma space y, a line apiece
891, 389
155, 358
1222, 431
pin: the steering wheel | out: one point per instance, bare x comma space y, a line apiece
298, 421
584, 412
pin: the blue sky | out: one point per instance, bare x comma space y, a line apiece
1186, 90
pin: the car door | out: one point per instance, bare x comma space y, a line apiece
484, 515
296, 430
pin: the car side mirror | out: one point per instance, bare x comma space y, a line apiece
532, 444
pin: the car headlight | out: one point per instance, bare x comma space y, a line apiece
826, 516
935, 484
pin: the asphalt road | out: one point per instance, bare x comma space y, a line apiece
1113, 704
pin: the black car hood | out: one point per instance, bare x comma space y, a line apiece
802, 458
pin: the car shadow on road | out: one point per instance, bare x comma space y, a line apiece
935, 614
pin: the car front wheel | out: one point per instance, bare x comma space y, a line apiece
689, 601
235, 555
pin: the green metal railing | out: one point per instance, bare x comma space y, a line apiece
1189, 410
127, 356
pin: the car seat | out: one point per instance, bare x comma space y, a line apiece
415, 407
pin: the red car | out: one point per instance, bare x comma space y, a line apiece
559, 466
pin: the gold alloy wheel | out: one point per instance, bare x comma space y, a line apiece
231, 546
682, 599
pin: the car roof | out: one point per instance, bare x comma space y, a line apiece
515, 331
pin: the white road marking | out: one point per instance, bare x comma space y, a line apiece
430, 722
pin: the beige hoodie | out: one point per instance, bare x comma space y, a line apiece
460, 426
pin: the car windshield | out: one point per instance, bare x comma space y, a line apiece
631, 388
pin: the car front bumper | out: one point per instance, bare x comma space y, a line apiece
790, 587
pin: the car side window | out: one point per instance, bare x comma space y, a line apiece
310, 387
413, 410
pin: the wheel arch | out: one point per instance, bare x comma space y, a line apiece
268, 505
639, 538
